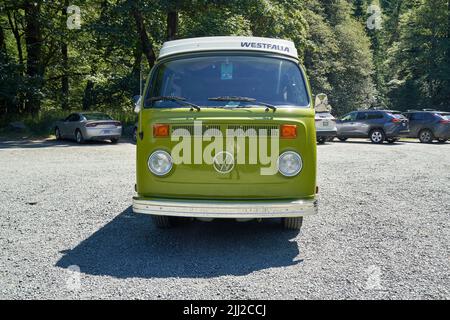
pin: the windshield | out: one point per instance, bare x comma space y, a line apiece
323, 115
349, 117
96, 116
446, 116
270, 80
396, 114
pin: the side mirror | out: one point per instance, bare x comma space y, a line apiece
321, 103
137, 103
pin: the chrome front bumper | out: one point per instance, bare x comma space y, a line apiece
225, 209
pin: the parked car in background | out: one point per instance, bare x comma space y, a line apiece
88, 126
429, 125
377, 125
325, 126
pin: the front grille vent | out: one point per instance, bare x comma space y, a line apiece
252, 130
236, 130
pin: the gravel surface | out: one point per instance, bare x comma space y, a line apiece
382, 231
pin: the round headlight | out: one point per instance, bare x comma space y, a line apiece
290, 163
160, 163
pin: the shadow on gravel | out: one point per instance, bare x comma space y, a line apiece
51, 143
397, 143
427, 144
130, 246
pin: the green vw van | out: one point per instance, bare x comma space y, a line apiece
226, 130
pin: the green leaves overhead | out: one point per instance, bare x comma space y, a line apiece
419, 61
46, 66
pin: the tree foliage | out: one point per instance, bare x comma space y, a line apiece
46, 66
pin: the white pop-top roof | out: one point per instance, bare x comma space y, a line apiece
228, 43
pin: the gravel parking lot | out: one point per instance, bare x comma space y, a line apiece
382, 231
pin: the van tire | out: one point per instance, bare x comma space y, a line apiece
442, 140
162, 222
377, 136
114, 140
342, 139
426, 136
293, 223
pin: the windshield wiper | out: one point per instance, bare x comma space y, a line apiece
180, 100
243, 99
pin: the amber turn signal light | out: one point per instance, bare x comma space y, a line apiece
160, 130
288, 131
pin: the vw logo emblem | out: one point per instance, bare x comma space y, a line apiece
223, 162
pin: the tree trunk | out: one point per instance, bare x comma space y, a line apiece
87, 97
15, 30
136, 71
172, 25
447, 80
2, 41
33, 44
65, 65
146, 45
3, 57
448, 28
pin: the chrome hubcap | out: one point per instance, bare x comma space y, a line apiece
426, 136
376, 136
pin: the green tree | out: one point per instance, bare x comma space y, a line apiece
340, 58
420, 59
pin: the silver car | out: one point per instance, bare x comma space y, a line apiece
325, 127
88, 126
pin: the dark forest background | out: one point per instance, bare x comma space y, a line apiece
47, 69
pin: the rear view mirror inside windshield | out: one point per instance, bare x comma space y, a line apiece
226, 71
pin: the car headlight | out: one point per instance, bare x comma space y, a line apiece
160, 163
290, 163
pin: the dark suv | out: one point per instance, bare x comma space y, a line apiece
377, 125
429, 125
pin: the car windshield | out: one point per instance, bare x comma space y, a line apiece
96, 116
323, 115
349, 117
446, 116
397, 115
275, 81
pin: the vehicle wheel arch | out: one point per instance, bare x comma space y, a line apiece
426, 128
377, 128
